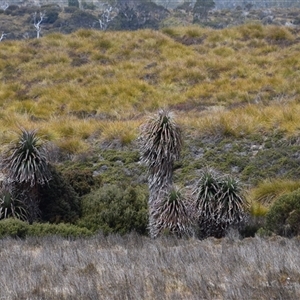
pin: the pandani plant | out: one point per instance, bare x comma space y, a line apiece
218, 203
11, 206
171, 214
26, 167
160, 146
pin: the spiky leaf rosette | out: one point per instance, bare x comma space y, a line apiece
232, 206
206, 192
170, 213
160, 145
25, 161
218, 203
11, 206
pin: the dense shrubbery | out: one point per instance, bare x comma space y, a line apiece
17, 228
74, 3
216, 205
283, 218
113, 209
81, 180
59, 201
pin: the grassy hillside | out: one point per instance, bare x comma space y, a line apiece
234, 91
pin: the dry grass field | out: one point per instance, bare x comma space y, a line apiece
88, 86
135, 267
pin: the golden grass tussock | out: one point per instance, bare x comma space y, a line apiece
257, 209
120, 76
244, 120
279, 34
12, 121
72, 127
267, 191
126, 132
73, 145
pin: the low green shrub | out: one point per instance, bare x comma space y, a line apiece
262, 232
252, 226
51, 16
87, 5
18, 229
70, 9
62, 229
13, 228
113, 209
283, 218
11, 9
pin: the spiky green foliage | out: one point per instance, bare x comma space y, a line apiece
231, 204
170, 214
25, 161
219, 203
11, 206
160, 146
205, 194
26, 168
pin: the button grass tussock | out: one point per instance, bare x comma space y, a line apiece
178, 73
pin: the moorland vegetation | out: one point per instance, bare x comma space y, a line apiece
234, 92
75, 106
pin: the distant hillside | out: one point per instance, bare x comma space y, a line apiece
17, 21
220, 4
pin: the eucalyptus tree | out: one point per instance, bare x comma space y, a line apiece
37, 23
160, 146
26, 167
2, 36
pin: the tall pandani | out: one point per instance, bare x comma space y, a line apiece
26, 168
160, 143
